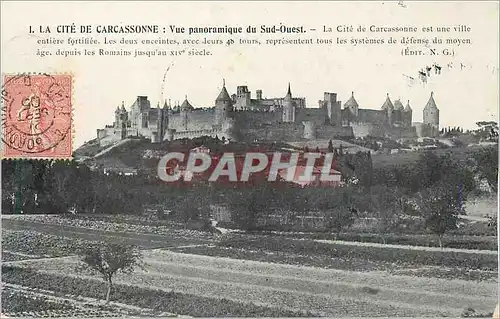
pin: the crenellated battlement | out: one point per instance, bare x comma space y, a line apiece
239, 114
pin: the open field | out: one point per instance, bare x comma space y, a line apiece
416, 268
196, 274
19, 301
122, 225
449, 241
292, 288
142, 299
142, 239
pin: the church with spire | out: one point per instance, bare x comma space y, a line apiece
286, 119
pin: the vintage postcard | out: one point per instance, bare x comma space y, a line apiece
249, 159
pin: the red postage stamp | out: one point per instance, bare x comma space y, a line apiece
37, 116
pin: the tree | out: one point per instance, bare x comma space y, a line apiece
487, 165
335, 153
488, 130
107, 259
25, 185
193, 204
440, 208
186, 206
339, 218
338, 208
493, 221
248, 205
388, 205
83, 190
429, 169
63, 177
330, 146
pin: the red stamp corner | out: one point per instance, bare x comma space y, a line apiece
37, 116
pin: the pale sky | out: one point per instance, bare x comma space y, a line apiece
371, 71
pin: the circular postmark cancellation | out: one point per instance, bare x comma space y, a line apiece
36, 116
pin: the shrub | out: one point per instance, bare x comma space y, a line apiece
108, 259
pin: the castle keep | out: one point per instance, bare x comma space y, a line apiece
239, 117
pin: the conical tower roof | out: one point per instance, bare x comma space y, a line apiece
288, 101
407, 107
398, 105
186, 105
387, 104
351, 102
431, 104
123, 107
223, 95
289, 92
